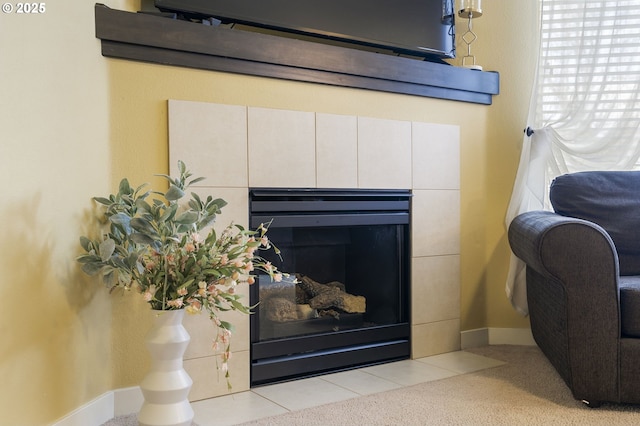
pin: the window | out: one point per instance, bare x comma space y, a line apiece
589, 82
585, 109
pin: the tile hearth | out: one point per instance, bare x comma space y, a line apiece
282, 398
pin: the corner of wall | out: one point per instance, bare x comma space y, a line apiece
496, 336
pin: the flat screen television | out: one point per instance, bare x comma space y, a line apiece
423, 28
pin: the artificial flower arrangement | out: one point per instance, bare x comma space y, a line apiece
157, 248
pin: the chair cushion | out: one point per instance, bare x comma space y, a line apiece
610, 199
630, 305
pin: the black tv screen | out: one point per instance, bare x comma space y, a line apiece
421, 28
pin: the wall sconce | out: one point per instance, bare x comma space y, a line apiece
470, 9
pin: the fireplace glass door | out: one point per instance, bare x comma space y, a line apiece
345, 301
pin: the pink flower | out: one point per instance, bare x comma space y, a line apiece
177, 303
182, 291
268, 266
202, 288
194, 306
148, 295
189, 247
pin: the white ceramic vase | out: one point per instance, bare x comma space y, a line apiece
166, 386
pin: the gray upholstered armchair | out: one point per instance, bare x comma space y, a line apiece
583, 282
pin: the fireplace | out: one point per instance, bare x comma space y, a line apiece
283, 148
346, 301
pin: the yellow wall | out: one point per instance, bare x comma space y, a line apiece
507, 43
72, 123
54, 154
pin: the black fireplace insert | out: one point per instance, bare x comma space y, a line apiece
345, 303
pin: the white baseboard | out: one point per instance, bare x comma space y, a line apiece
95, 412
127, 401
496, 336
104, 408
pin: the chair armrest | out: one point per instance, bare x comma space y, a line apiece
576, 252
573, 295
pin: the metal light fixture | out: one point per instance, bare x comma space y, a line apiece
470, 9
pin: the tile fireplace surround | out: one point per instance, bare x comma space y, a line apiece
236, 147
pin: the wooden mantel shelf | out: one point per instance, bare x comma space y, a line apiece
155, 39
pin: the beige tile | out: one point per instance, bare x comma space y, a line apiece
461, 362
361, 382
209, 382
337, 151
211, 139
281, 148
304, 393
436, 156
408, 372
435, 222
249, 406
435, 338
435, 288
384, 153
202, 331
234, 409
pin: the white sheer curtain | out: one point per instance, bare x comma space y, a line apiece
585, 104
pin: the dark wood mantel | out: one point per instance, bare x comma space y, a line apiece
155, 39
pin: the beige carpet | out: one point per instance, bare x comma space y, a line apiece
525, 391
